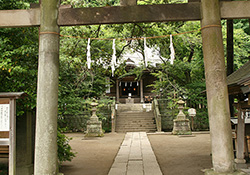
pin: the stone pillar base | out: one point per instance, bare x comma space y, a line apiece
240, 164
212, 172
94, 129
181, 127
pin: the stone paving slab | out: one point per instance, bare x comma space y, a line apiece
135, 157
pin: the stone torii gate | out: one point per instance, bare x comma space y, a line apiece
49, 16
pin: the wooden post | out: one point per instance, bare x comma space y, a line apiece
230, 47
12, 137
230, 59
117, 91
248, 99
128, 2
240, 161
217, 93
141, 90
47, 90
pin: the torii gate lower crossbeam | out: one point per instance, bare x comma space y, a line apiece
49, 17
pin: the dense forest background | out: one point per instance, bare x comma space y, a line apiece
185, 78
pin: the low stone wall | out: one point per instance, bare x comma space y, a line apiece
168, 115
74, 123
78, 123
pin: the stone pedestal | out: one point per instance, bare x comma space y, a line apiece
129, 100
212, 172
240, 163
181, 124
94, 126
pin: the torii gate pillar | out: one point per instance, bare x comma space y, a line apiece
47, 90
217, 93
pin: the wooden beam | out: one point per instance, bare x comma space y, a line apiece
148, 13
129, 14
124, 14
20, 18
235, 9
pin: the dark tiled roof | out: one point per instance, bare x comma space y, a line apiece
240, 76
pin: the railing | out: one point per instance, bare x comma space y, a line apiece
157, 115
113, 116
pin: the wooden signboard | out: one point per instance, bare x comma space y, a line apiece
8, 127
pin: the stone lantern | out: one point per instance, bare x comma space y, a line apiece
94, 126
181, 123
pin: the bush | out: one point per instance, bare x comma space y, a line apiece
3, 169
64, 149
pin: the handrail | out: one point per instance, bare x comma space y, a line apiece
113, 116
157, 114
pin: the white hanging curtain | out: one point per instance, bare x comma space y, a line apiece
145, 52
113, 61
172, 52
88, 54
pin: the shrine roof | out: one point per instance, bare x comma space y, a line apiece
241, 76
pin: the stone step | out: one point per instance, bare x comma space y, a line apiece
134, 127
134, 112
133, 123
134, 107
139, 128
134, 120
136, 130
135, 115
131, 120
137, 125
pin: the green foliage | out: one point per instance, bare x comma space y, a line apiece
3, 169
241, 41
78, 121
64, 149
18, 59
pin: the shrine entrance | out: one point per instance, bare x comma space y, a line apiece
49, 16
129, 87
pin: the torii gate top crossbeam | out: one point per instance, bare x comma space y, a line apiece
119, 14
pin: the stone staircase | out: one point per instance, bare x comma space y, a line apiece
135, 118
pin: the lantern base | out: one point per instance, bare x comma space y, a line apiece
94, 129
181, 127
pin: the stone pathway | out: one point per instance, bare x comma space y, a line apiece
135, 157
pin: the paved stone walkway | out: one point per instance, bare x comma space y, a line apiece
135, 157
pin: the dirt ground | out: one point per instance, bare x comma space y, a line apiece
94, 156
176, 155
185, 155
